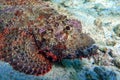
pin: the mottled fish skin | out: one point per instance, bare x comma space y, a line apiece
32, 38
17, 47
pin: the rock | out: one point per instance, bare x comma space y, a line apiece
91, 75
105, 74
116, 61
76, 64
110, 43
87, 74
116, 50
98, 23
117, 30
72, 3
90, 1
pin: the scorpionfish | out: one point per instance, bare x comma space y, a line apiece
33, 37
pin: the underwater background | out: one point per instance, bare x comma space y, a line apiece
100, 19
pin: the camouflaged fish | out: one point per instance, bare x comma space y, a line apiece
33, 38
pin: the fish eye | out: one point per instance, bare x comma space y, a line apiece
67, 27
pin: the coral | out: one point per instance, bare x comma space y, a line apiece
33, 38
